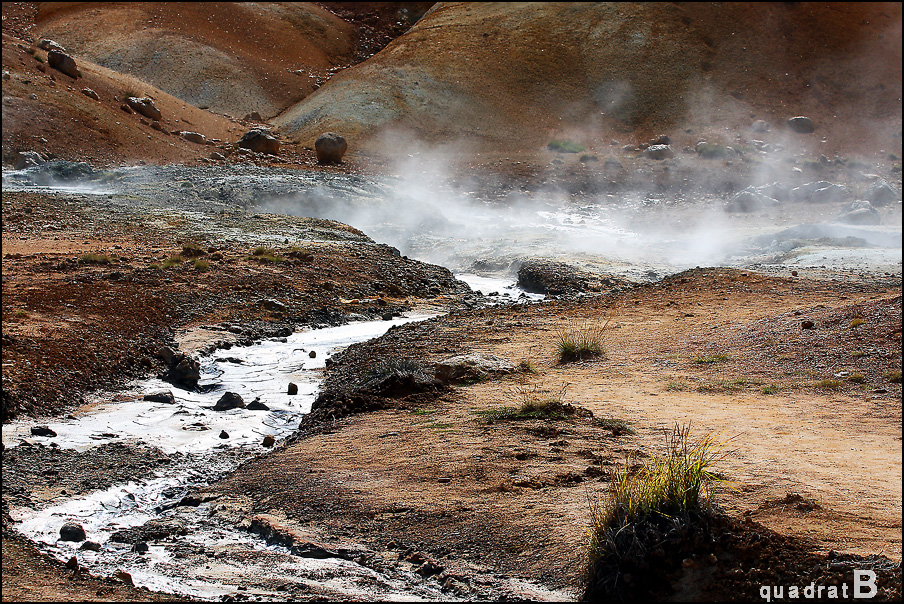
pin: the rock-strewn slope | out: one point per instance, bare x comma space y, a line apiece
516, 75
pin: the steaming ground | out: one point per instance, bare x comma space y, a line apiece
480, 229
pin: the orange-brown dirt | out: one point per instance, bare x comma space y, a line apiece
814, 414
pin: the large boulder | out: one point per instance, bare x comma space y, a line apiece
63, 63
72, 531
182, 370
555, 278
820, 192
881, 193
330, 147
27, 159
472, 367
229, 400
48, 45
145, 106
259, 141
859, 212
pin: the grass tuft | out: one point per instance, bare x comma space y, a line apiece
265, 254
828, 384
92, 258
565, 147
857, 322
173, 261
645, 501
892, 376
580, 341
201, 265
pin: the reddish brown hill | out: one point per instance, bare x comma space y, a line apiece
515, 75
233, 57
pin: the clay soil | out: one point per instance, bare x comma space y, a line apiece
811, 456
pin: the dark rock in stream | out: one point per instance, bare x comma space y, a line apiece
182, 370
42, 431
229, 400
257, 405
72, 531
161, 396
152, 530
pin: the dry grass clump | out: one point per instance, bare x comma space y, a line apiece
265, 254
647, 504
92, 258
581, 341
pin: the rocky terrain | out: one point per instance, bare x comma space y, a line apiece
712, 188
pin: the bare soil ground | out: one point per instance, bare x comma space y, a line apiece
814, 456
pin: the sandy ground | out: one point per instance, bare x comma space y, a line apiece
434, 477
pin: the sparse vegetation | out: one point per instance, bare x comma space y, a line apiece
578, 342
92, 258
527, 366
770, 389
192, 250
20, 313
712, 151
643, 503
857, 322
892, 376
173, 261
565, 147
828, 384
265, 254
201, 265
726, 385
536, 403
713, 358
677, 386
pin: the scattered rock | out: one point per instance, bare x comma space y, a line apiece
254, 116
273, 305
760, 126
48, 45
194, 137
90, 94
161, 396
259, 141
330, 147
145, 106
27, 159
125, 107
92, 546
72, 563
229, 400
312, 354
124, 577
159, 127
429, 569
72, 531
141, 547
63, 63
807, 325
257, 405
269, 441
659, 152
820, 192
881, 193
748, 200
42, 431
801, 124
859, 212
182, 370
557, 278
293, 388
474, 366
224, 434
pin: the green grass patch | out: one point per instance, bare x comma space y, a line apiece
565, 147
20, 313
644, 501
771, 389
173, 261
201, 265
677, 386
857, 377
712, 151
536, 403
892, 376
828, 384
193, 250
580, 341
265, 254
857, 322
92, 258
726, 386
859, 354
713, 358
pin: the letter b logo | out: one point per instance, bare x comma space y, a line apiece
865, 584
